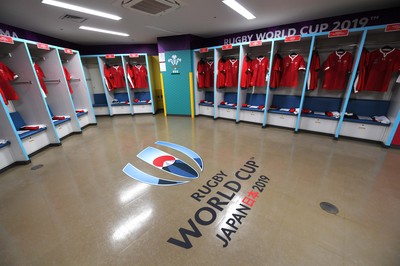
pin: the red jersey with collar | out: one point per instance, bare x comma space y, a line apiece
260, 67
232, 70
336, 68
6, 90
140, 75
209, 74
130, 77
68, 78
276, 71
381, 65
117, 77
246, 73
291, 65
359, 83
41, 76
107, 77
315, 66
201, 74
221, 73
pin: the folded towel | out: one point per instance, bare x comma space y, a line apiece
60, 117
32, 127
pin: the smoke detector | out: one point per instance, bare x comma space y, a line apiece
152, 7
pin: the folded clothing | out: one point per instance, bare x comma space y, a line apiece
306, 111
319, 113
260, 107
350, 115
3, 141
60, 117
365, 118
229, 104
334, 114
32, 127
381, 119
139, 101
22, 131
204, 101
81, 110
117, 101
294, 110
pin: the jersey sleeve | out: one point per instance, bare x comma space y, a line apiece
328, 62
396, 64
10, 74
302, 63
350, 64
317, 63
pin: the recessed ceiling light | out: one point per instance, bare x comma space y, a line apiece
81, 9
104, 31
239, 8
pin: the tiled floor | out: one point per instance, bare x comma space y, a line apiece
81, 209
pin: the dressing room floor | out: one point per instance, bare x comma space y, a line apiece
81, 209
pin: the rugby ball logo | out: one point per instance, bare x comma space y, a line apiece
167, 163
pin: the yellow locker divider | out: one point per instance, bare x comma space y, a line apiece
191, 94
163, 94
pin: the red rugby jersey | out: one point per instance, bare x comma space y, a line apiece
291, 66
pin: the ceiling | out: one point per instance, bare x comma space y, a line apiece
205, 18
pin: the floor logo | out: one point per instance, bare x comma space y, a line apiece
167, 163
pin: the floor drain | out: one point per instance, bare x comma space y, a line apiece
329, 207
37, 167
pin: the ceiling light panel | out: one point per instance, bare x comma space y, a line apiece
81, 9
239, 8
104, 31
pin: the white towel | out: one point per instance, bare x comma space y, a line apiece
382, 119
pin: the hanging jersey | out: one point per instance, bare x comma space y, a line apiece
359, 82
117, 77
291, 66
336, 68
41, 76
140, 76
209, 74
246, 72
314, 68
6, 90
130, 77
221, 73
68, 78
107, 77
231, 72
260, 69
276, 71
201, 74
381, 66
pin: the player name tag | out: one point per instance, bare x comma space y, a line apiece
43, 46
338, 33
392, 27
68, 51
6, 39
255, 43
294, 38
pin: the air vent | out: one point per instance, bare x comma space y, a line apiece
152, 7
73, 18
